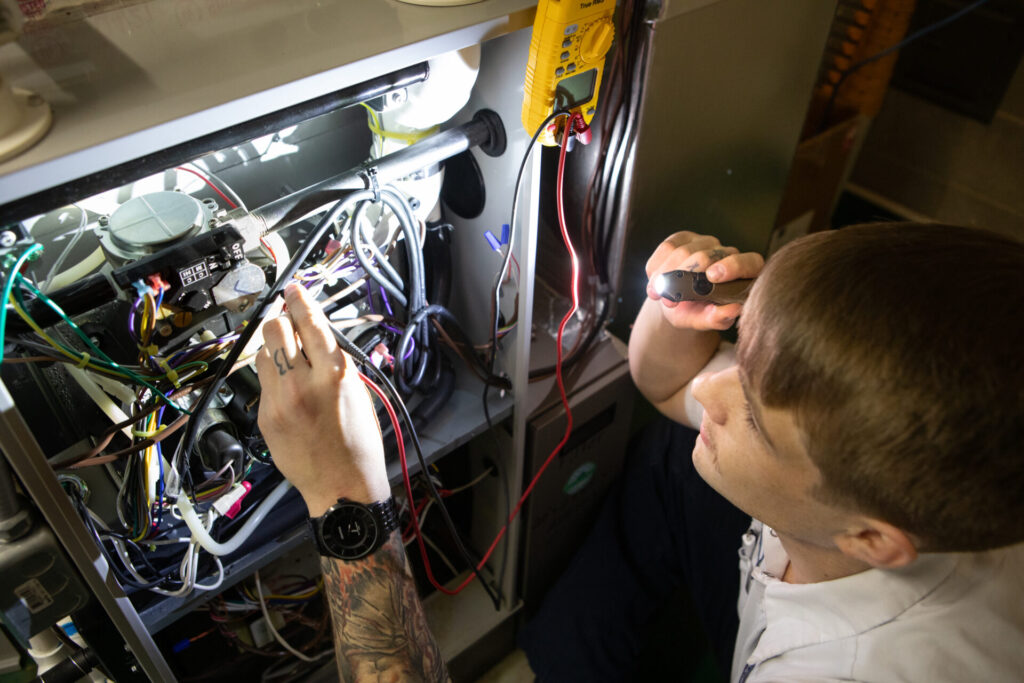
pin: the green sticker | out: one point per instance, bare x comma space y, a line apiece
579, 479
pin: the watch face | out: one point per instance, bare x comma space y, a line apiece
349, 531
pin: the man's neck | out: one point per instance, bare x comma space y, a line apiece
810, 563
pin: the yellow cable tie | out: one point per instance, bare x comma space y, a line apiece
171, 372
85, 360
148, 433
410, 138
150, 350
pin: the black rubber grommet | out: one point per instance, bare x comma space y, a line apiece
496, 142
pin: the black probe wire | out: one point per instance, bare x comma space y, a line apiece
357, 353
188, 438
827, 112
496, 294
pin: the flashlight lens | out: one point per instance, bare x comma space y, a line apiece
661, 285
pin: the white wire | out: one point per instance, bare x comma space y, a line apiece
447, 562
79, 270
220, 576
273, 631
483, 475
45, 285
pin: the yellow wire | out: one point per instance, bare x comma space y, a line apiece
57, 347
77, 358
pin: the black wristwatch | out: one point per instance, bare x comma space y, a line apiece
351, 530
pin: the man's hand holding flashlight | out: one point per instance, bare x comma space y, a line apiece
689, 251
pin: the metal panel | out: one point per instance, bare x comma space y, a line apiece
726, 97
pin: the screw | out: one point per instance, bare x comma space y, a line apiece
8, 238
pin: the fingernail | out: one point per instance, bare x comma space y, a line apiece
716, 272
291, 289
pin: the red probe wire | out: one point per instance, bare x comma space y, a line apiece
207, 181
575, 274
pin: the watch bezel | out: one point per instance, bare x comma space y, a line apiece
329, 523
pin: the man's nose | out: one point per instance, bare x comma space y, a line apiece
707, 389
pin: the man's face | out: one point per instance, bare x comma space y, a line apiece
754, 457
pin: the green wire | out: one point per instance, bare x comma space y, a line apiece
8, 286
88, 342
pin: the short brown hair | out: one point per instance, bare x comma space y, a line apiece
899, 348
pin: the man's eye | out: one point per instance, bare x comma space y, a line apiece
750, 420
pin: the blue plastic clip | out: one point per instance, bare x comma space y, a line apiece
492, 240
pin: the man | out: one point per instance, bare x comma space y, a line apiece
872, 425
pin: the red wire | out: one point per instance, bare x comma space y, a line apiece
558, 378
267, 247
408, 484
207, 181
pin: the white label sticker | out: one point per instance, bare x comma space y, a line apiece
35, 597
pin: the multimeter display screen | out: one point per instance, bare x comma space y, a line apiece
575, 90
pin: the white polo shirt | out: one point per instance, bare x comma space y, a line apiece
946, 617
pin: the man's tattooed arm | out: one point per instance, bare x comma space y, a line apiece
380, 630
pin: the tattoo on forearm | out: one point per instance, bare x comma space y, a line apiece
380, 629
281, 361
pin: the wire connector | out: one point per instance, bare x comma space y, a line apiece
230, 503
142, 289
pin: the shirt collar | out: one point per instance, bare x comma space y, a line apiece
798, 615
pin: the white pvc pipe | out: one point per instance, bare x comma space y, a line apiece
79, 270
202, 536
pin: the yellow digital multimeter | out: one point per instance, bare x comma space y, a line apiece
570, 40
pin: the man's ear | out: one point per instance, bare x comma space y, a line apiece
877, 543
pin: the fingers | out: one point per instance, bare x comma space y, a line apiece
700, 316
676, 249
736, 266
281, 353
311, 325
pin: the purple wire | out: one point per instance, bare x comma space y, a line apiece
369, 296
412, 343
384, 298
131, 319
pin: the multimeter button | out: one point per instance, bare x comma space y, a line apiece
565, 56
570, 68
571, 29
597, 40
559, 71
567, 42
590, 112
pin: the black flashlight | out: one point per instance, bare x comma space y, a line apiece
684, 285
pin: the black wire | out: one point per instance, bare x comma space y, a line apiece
496, 289
888, 51
438, 311
188, 439
397, 401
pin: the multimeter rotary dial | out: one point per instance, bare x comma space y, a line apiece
596, 40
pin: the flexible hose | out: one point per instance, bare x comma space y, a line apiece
202, 536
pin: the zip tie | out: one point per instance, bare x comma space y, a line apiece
85, 361
171, 373
370, 173
148, 433
150, 350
